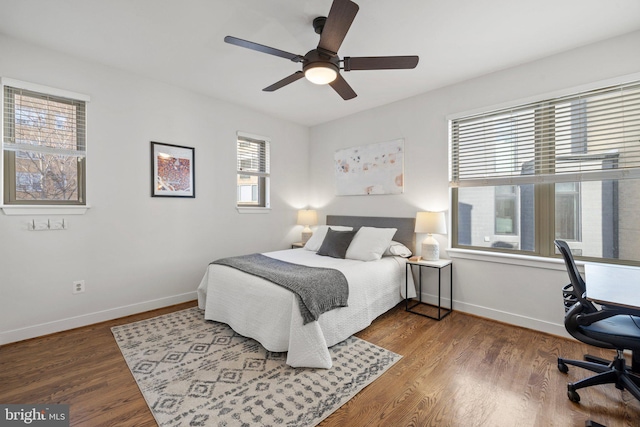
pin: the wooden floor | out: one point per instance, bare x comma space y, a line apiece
462, 371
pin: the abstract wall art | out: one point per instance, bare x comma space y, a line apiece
370, 169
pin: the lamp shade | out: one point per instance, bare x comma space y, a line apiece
431, 222
307, 217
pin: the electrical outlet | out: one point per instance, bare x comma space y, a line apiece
78, 286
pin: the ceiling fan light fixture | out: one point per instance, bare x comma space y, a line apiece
321, 73
322, 65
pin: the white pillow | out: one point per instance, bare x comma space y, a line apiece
314, 243
370, 243
397, 249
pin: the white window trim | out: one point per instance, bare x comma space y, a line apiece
256, 210
555, 94
37, 209
34, 87
511, 259
44, 210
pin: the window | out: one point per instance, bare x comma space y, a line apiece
568, 213
252, 171
43, 145
565, 168
506, 209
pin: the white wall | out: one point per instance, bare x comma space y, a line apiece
136, 252
526, 295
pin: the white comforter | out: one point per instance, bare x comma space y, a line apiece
270, 314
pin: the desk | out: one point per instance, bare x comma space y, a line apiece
610, 284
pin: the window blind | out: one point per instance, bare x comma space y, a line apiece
253, 156
592, 135
39, 123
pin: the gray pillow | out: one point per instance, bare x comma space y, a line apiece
336, 243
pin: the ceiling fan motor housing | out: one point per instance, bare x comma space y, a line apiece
320, 68
316, 58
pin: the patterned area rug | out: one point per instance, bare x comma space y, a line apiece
194, 372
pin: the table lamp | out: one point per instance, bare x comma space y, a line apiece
430, 223
307, 217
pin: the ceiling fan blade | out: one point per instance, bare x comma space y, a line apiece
262, 48
341, 86
287, 80
380, 62
339, 20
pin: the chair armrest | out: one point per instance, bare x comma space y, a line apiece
605, 313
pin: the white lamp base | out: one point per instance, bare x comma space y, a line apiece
306, 234
430, 249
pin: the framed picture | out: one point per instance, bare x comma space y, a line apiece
370, 169
172, 170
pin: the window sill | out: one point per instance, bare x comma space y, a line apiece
43, 210
253, 210
512, 259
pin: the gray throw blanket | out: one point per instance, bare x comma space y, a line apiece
318, 289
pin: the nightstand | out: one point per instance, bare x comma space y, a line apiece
297, 245
423, 308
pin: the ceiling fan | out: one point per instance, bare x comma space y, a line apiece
322, 65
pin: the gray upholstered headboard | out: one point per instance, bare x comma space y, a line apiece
406, 226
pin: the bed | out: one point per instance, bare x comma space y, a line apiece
259, 309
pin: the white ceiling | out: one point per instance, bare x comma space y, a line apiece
181, 42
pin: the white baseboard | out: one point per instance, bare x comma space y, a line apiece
101, 316
91, 318
501, 316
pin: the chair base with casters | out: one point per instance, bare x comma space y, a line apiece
615, 372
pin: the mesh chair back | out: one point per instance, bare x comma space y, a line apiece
576, 290
577, 286
578, 283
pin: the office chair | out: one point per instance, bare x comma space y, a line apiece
609, 327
